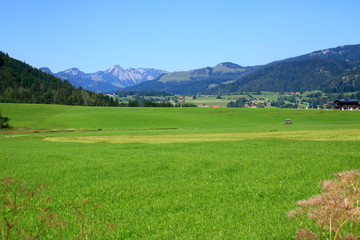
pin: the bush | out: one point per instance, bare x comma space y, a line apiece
4, 122
335, 212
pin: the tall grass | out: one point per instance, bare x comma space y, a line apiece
198, 190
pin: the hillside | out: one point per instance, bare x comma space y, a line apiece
287, 76
314, 71
349, 81
194, 81
21, 83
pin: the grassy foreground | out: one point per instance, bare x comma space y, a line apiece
208, 174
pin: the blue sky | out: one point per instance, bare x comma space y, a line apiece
173, 35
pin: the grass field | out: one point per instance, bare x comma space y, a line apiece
206, 174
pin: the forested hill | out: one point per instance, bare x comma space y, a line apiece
21, 83
303, 75
334, 70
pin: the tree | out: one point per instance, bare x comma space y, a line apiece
240, 102
133, 103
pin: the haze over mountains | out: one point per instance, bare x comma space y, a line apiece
334, 69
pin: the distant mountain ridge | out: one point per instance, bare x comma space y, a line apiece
325, 70
110, 80
314, 71
194, 81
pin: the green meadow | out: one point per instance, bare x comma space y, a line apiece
179, 173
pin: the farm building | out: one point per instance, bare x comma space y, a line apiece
351, 104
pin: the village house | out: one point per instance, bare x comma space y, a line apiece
351, 104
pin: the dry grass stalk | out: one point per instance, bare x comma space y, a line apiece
336, 211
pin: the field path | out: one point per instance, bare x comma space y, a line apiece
317, 135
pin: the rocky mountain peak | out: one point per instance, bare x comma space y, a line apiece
229, 65
73, 71
110, 80
115, 69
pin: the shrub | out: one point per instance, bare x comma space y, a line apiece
4, 122
335, 212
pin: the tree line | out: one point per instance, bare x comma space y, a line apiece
149, 103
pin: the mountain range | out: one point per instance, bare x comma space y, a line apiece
319, 70
327, 70
108, 81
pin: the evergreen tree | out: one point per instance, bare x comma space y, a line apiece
133, 103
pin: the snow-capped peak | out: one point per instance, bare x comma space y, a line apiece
111, 79
73, 71
115, 69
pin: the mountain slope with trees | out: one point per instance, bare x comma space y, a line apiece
349, 81
21, 83
320, 70
287, 76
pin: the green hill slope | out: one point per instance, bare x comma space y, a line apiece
220, 71
194, 81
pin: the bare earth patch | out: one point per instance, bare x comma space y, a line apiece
316, 135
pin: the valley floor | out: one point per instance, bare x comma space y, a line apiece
190, 173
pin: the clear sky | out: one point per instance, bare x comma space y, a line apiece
173, 35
